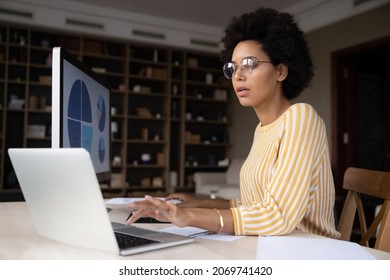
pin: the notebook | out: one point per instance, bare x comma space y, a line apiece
66, 204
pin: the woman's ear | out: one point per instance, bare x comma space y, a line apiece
283, 72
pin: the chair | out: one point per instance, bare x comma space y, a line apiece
373, 184
221, 184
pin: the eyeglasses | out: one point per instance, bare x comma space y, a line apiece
246, 67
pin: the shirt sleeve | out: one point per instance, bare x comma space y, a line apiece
235, 203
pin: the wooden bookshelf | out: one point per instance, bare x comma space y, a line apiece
170, 107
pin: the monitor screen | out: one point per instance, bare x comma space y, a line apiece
81, 110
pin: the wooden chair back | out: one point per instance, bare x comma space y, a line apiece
376, 184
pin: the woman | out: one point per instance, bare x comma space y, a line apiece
286, 181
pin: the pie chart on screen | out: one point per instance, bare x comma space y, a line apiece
101, 113
80, 129
102, 149
101, 117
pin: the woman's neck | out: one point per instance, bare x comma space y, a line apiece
270, 113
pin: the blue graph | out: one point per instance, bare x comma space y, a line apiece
80, 123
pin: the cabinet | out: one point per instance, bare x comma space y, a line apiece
170, 108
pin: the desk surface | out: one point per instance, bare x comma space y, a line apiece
19, 240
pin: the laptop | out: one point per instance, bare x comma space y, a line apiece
66, 204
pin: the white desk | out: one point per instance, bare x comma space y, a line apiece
19, 240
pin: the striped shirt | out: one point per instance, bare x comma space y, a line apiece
286, 182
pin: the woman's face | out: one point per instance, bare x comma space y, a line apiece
262, 86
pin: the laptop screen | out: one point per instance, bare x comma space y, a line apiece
81, 110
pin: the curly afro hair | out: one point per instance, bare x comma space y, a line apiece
281, 39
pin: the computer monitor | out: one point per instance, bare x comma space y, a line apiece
81, 110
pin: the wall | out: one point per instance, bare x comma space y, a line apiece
356, 30
111, 23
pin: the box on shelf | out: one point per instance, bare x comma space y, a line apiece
220, 94
117, 180
16, 103
157, 182
45, 80
192, 138
192, 62
144, 112
36, 131
153, 72
100, 70
33, 102
146, 182
141, 89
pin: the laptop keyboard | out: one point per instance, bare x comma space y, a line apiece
129, 241
149, 220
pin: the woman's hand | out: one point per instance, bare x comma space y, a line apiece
165, 210
188, 201
158, 209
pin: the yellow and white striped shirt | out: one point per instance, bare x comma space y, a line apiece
286, 182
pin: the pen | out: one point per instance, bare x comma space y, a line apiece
129, 216
201, 233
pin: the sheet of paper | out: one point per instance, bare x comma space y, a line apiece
200, 233
185, 231
221, 237
126, 200
308, 248
123, 200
